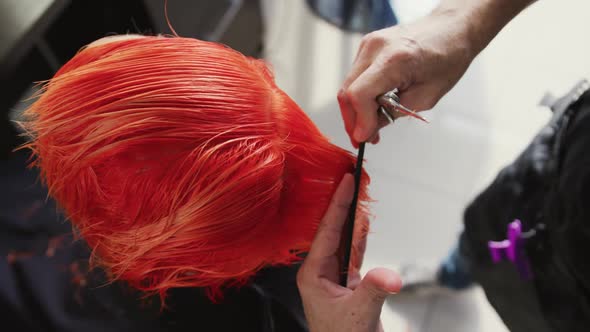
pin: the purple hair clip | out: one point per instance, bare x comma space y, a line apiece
512, 249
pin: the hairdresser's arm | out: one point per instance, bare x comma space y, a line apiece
328, 306
424, 59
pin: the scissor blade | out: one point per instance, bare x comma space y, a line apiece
390, 102
409, 112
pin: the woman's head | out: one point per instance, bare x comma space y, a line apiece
181, 163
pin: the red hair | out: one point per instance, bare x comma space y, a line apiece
181, 163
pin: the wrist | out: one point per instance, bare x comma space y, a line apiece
479, 21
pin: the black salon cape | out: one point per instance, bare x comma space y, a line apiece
548, 188
52, 290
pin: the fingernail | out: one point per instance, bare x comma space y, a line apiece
394, 285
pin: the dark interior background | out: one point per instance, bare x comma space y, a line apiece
38, 36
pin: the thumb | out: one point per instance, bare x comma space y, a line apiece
374, 289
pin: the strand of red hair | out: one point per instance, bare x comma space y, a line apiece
181, 163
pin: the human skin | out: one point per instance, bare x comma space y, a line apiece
423, 59
328, 306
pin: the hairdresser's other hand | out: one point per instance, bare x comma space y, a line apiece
328, 306
423, 60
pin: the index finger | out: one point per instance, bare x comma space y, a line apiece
362, 62
327, 239
362, 95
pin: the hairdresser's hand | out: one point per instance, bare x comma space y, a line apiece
423, 60
328, 306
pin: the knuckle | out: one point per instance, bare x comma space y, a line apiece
363, 42
356, 94
399, 56
406, 51
378, 297
410, 44
373, 40
352, 95
375, 295
343, 94
329, 234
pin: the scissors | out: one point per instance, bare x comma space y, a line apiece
389, 105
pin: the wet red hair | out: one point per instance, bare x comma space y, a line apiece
181, 163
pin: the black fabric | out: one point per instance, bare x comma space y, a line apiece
548, 188
45, 284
